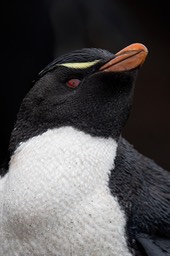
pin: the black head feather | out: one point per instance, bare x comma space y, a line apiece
99, 106
83, 55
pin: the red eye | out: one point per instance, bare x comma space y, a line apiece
73, 83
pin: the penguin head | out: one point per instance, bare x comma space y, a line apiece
89, 89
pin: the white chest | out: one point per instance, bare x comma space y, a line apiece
56, 199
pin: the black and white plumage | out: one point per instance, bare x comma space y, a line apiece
74, 186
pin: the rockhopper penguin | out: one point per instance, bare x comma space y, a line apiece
74, 186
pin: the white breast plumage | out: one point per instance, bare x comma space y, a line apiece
56, 200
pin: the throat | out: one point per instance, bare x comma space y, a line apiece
62, 160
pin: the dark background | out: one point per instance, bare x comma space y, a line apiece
34, 32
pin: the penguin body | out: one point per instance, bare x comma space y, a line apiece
77, 198
74, 186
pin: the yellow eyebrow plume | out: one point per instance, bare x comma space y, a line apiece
80, 65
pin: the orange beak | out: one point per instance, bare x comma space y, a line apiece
131, 57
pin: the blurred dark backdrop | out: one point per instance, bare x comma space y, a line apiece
34, 32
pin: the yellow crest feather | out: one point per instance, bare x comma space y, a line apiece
80, 65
